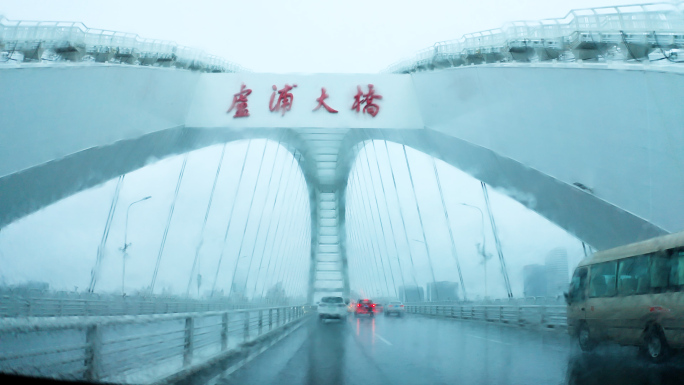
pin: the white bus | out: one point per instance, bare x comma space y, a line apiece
632, 295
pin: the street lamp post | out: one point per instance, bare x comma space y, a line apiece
481, 249
126, 245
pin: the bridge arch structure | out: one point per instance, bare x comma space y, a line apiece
592, 144
534, 132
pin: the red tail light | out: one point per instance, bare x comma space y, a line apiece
373, 305
358, 304
402, 305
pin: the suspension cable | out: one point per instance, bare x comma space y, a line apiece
274, 274
369, 240
278, 250
95, 272
351, 250
261, 217
350, 247
204, 223
371, 223
420, 218
368, 235
389, 215
448, 223
362, 247
270, 223
504, 271
289, 277
382, 227
401, 214
359, 280
278, 253
365, 233
299, 276
352, 241
306, 254
362, 243
285, 249
290, 247
249, 214
293, 273
363, 273
230, 217
168, 222
267, 274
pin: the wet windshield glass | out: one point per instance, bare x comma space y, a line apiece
325, 192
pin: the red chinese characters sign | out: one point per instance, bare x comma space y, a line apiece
283, 99
366, 99
240, 103
321, 102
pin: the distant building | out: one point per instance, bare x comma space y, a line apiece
534, 280
411, 294
442, 291
557, 275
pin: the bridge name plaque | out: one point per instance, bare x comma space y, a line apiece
282, 101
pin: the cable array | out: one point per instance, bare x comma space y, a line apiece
372, 259
272, 236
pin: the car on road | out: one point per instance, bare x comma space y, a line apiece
332, 308
394, 307
365, 306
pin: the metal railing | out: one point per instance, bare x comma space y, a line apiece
517, 301
31, 41
141, 349
19, 306
608, 33
549, 316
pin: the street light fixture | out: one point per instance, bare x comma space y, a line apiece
126, 245
481, 219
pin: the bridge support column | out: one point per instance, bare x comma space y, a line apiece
189, 341
93, 352
224, 331
270, 319
328, 272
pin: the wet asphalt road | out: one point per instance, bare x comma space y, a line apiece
422, 350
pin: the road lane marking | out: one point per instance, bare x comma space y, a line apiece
488, 339
382, 339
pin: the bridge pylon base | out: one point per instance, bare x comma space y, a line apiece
328, 271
